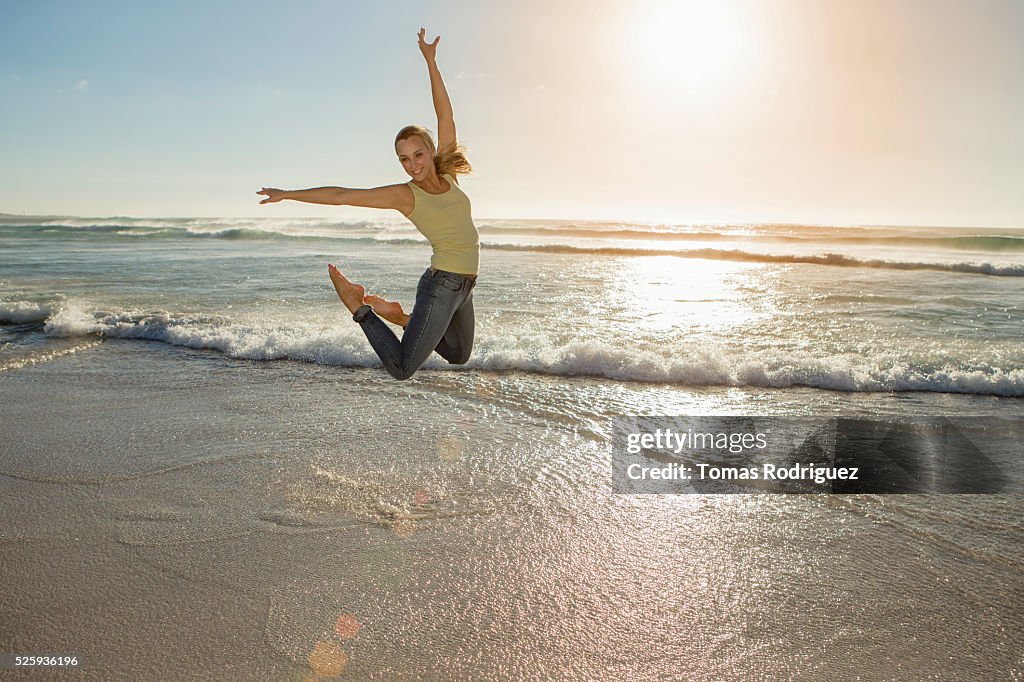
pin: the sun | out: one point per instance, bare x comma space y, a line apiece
687, 47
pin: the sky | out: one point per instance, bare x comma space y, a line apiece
883, 112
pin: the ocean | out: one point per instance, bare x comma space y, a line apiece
197, 438
857, 310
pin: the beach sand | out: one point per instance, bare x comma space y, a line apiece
175, 514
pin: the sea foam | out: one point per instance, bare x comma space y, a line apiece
508, 350
22, 312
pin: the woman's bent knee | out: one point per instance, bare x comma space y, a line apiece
461, 358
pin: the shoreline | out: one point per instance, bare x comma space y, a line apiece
239, 514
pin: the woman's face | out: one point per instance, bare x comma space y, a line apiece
415, 157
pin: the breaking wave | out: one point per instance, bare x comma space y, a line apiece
747, 256
346, 347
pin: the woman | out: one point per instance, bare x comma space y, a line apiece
442, 318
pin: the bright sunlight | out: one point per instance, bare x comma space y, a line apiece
687, 46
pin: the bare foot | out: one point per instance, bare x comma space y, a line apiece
389, 310
350, 293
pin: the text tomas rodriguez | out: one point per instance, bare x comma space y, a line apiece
766, 472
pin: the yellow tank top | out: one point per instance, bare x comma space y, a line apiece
445, 220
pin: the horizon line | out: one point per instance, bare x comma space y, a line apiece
781, 223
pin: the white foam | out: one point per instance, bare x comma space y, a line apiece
72, 320
21, 312
296, 341
499, 349
767, 369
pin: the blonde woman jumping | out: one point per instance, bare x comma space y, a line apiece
442, 318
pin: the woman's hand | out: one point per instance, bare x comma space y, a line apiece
429, 50
272, 195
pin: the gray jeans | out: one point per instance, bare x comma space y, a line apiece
441, 320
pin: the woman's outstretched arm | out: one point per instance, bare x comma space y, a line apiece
442, 103
398, 197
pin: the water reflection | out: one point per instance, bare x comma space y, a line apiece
665, 294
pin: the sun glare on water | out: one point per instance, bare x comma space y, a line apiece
686, 46
673, 296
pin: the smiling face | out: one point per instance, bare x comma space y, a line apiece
416, 157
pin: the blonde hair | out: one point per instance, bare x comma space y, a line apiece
449, 161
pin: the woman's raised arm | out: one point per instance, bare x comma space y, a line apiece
397, 197
442, 103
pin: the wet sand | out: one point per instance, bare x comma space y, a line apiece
174, 514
